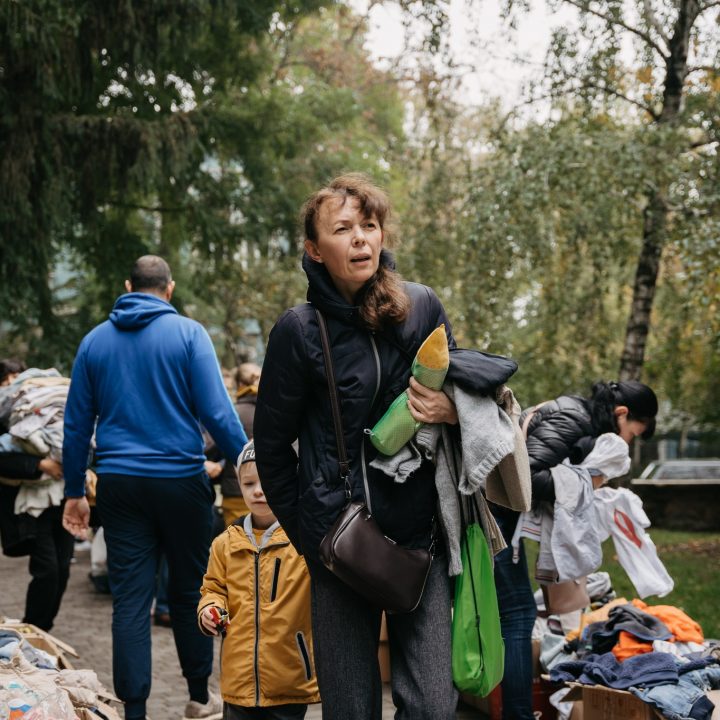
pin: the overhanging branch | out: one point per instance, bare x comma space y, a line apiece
616, 93
585, 7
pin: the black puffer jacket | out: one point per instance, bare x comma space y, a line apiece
558, 430
371, 371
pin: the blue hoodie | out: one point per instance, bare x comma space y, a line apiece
149, 376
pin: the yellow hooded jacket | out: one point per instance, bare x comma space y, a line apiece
267, 656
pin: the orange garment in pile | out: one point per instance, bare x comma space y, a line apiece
681, 625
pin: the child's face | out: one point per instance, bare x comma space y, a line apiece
254, 496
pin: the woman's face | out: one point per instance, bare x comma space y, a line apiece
348, 244
628, 429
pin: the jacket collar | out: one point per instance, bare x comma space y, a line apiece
323, 294
243, 538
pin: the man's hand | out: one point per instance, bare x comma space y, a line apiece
430, 406
213, 469
76, 517
51, 467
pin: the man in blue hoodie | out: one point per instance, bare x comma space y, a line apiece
145, 380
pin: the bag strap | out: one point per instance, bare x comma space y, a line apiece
334, 404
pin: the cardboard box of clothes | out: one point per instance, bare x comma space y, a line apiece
492, 704
595, 702
44, 641
601, 703
35, 667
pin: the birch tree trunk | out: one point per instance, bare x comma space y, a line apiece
656, 212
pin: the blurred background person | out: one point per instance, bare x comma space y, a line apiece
247, 377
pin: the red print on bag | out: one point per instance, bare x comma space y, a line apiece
627, 528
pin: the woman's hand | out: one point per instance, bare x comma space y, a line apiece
51, 467
430, 406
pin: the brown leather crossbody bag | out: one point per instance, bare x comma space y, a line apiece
355, 549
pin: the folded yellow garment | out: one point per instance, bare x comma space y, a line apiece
429, 368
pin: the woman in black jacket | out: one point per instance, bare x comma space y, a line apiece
375, 322
567, 427
563, 428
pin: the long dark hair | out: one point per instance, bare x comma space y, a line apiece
384, 298
639, 399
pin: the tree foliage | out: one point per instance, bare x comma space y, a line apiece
563, 227
194, 132
198, 132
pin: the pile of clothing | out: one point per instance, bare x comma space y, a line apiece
32, 409
35, 683
656, 652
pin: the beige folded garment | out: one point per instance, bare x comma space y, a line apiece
508, 483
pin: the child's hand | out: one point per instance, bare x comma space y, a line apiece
209, 619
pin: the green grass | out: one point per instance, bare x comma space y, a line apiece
693, 561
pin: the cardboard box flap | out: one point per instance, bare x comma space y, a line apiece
575, 693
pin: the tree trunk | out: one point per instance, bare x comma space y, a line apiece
656, 213
638, 327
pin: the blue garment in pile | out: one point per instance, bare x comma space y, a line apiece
687, 699
655, 668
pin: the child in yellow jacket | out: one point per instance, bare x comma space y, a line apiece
255, 576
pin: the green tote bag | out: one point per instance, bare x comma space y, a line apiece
478, 650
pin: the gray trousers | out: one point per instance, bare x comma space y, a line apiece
346, 631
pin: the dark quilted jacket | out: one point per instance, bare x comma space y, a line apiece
554, 433
293, 402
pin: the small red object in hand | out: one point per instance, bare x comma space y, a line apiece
220, 618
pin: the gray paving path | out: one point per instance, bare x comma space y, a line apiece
84, 623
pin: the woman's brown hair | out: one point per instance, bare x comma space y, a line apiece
384, 298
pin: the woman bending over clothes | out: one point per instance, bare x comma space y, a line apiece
566, 427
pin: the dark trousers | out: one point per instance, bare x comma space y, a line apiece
49, 567
143, 517
294, 711
517, 617
346, 630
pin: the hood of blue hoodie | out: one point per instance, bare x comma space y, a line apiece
133, 311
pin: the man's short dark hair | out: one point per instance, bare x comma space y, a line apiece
150, 272
11, 366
